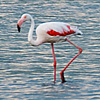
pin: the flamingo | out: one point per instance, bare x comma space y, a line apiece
51, 32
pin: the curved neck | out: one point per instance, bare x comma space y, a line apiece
30, 36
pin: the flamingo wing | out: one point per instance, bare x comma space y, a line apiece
59, 29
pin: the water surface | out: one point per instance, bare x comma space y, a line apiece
26, 72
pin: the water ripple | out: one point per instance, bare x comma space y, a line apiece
26, 72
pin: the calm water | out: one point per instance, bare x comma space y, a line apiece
26, 72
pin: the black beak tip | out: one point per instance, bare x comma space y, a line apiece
18, 28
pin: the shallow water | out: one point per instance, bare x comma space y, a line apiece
26, 72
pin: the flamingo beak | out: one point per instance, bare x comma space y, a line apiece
19, 23
18, 28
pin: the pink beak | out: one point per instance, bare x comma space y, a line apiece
19, 23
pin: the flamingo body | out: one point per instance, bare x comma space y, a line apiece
51, 32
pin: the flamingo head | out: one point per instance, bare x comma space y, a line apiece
24, 17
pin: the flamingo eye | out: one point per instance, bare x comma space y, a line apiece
24, 16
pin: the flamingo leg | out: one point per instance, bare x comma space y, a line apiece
80, 51
54, 64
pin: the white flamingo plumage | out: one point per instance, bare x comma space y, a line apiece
51, 32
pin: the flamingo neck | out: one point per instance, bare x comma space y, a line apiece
30, 34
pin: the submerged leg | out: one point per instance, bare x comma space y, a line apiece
54, 64
80, 51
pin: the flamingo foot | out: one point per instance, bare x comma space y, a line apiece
62, 77
54, 82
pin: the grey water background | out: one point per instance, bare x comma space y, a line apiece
26, 72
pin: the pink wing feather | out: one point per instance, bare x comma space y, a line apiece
63, 30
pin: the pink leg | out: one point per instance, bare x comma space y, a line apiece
80, 51
54, 64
